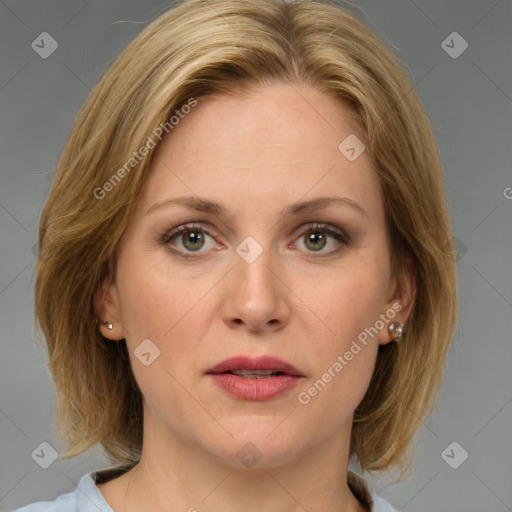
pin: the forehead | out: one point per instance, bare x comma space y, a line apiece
271, 144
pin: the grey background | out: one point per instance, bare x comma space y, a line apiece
469, 100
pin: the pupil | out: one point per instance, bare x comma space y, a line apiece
193, 240
314, 238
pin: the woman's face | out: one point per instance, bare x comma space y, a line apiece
268, 275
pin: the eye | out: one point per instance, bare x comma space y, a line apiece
192, 240
189, 238
316, 237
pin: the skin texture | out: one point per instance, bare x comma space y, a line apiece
255, 154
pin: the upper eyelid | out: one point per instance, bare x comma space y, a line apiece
206, 227
320, 225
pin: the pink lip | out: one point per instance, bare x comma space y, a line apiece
255, 363
255, 388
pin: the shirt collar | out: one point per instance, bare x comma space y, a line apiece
360, 487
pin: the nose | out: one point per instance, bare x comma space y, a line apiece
255, 297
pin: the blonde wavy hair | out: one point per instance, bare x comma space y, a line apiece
194, 50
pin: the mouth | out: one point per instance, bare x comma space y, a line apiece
261, 367
256, 374
260, 378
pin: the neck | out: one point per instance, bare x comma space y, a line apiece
182, 477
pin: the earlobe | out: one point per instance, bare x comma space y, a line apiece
393, 330
108, 325
106, 306
401, 296
396, 330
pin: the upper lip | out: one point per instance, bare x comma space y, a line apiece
255, 363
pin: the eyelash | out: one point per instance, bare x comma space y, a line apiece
337, 234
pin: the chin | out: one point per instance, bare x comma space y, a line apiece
258, 443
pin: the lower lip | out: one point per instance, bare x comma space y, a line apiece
255, 389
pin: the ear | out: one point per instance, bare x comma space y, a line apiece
400, 300
106, 305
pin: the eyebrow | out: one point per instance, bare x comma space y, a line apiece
203, 205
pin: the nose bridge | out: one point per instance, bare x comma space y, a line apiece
255, 295
252, 268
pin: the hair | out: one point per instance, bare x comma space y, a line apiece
199, 49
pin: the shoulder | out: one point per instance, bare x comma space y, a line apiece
84, 498
381, 505
365, 492
63, 503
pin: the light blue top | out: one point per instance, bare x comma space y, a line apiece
87, 497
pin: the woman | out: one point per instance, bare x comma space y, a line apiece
250, 247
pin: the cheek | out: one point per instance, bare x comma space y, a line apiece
352, 301
153, 298
159, 304
350, 306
